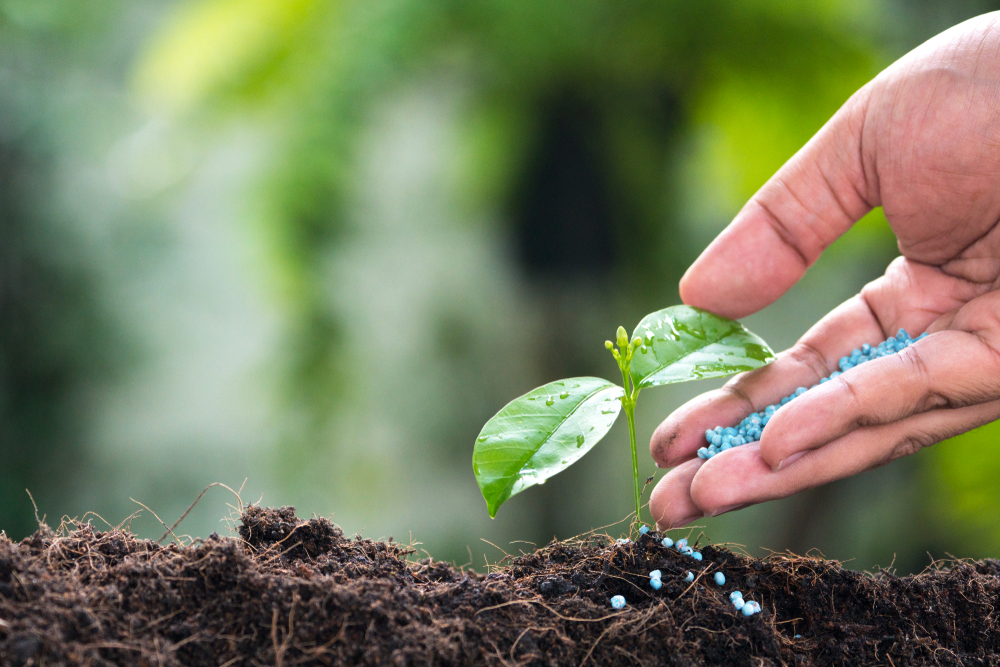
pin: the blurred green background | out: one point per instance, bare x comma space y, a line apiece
315, 245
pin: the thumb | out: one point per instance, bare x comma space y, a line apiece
812, 200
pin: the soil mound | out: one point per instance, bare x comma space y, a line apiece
292, 592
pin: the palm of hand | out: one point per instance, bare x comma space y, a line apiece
923, 141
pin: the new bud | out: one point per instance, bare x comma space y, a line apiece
608, 344
636, 342
622, 337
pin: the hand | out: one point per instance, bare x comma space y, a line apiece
922, 140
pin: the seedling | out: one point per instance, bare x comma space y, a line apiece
550, 428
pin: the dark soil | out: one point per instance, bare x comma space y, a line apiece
292, 592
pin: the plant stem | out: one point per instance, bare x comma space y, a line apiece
630, 416
628, 402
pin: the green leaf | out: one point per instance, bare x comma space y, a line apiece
542, 433
682, 343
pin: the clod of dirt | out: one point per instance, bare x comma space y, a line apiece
291, 592
265, 530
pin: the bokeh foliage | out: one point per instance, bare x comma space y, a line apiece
962, 478
573, 115
57, 336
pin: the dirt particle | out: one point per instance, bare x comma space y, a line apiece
23, 649
555, 586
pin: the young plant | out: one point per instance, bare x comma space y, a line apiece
548, 429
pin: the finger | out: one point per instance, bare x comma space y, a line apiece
949, 369
914, 296
813, 199
740, 476
910, 295
670, 503
813, 357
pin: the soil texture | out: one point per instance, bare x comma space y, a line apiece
292, 592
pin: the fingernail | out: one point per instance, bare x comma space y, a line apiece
677, 524
730, 508
784, 463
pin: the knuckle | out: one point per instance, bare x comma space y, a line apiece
788, 235
889, 294
919, 374
877, 298
737, 390
907, 445
855, 402
808, 356
911, 444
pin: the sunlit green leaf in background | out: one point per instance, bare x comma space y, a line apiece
542, 433
963, 492
682, 343
217, 46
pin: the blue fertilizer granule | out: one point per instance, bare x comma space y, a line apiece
720, 438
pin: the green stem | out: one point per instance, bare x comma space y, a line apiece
623, 356
630, 415
628, 402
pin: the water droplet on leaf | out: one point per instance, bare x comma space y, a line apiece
580, 440
549, 401
565, 394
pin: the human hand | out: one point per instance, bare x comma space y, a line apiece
922, 140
